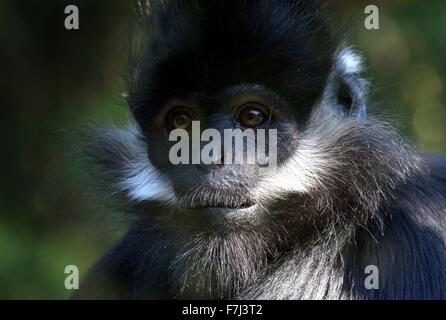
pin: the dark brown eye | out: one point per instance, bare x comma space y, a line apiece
252, 115
180, 119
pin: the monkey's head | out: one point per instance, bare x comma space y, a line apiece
271, 65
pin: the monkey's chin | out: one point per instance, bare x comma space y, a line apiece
234, 213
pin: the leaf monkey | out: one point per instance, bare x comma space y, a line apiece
348, 191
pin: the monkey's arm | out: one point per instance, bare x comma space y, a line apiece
136, 267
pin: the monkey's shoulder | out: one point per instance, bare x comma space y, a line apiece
135, 267
437, 165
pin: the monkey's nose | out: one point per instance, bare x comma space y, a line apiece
216, 163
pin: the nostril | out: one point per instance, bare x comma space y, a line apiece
216, 164
217, 160
214, 160
222, 159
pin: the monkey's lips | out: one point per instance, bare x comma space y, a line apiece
222, 205
218, 201
221, 202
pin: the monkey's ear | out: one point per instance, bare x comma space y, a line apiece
346, 91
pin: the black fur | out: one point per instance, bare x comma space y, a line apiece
373, 200
198, 46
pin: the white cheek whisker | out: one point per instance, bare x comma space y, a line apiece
143, 182
122, 151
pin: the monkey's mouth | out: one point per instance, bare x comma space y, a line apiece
243, 205
221, 203
216, 199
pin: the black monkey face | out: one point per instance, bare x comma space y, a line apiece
204, 76
214, 147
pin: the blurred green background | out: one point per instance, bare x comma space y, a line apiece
54, 81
